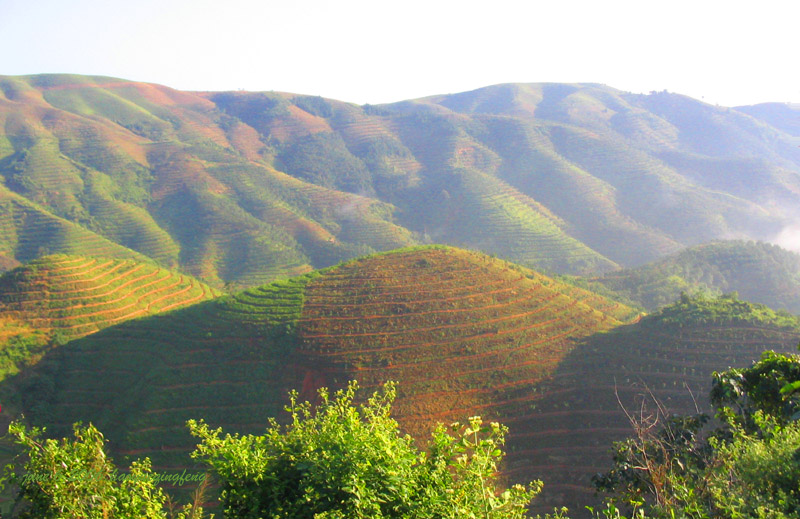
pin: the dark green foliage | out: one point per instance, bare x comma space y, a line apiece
343, 461
701, 309
766, 386
16, 351
315, 105
757, 475
745, 467
257, 110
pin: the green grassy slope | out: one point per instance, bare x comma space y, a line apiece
759, 272
656, 195
166, 174
462, 332
618, 172
429, 167
670, 355
588, 204
659, 166
28, 231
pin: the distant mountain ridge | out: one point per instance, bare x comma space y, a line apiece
759, 272
242, 188
783, 116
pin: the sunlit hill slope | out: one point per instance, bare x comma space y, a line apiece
54, 299
463, 333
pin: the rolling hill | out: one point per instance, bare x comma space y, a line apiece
166, 174
28, 231
55, 299
759, 272
241, 188
462, 333
783, 116
238, 189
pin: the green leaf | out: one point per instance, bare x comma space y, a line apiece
790, 388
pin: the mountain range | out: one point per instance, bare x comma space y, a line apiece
241, 188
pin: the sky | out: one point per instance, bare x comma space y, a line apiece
723, 52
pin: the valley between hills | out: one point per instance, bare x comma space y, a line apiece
537, 254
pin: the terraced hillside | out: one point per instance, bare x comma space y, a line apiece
759, 272
77, 295
28, 231
242, 188
632, 176
59, 298
670, 355
463, 334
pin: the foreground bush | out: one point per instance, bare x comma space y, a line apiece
345, 461
746, 464
75, 479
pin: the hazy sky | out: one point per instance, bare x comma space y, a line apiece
726, 52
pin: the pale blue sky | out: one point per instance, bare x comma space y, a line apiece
726, 52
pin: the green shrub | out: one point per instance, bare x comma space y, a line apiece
77, 480
340, 460
747, 467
